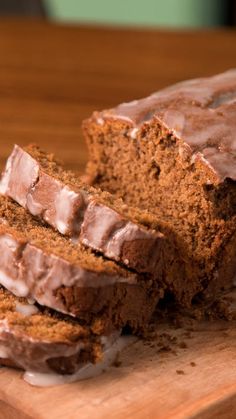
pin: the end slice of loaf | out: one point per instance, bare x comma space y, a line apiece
35, 339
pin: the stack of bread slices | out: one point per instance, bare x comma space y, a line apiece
77, 267
83, 259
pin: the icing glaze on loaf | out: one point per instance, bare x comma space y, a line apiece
173, 154
51, 349
201, 112
81, 212
37, 262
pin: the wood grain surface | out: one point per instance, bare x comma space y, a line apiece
182, 374
51, 78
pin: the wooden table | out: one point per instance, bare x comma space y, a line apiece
51, 77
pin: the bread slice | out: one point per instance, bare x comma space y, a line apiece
39, 263
173, 154
36, 339
132, 237
40, 184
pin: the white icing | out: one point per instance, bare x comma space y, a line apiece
185, 151
176, 120
223, 98
4, 182
29, 170
16, 286
85, 371
121, 117
8, 241
108, 231
30, 300
3, 352
107, 341
129, 232
133, 133
104, 218
130, 104
100, 121
34, 207
26, 309
74, 240
200, 156
63, 205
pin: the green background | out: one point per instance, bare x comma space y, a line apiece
171, 13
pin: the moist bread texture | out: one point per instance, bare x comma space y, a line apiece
36, 339
128, 235
173, 154
38, 182
39, 263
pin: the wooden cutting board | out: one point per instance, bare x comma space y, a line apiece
182, 374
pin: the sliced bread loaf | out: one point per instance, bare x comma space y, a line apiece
39, 183
130, 236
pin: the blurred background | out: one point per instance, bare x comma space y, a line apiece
54, 76
167, 13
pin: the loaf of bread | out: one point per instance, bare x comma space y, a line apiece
173, 154
154, 217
